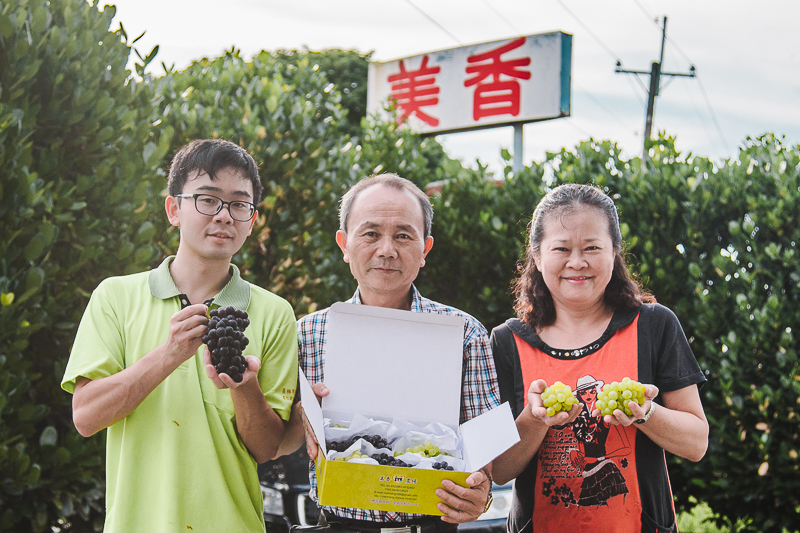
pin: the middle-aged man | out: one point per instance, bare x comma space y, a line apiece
385, 226
183, 441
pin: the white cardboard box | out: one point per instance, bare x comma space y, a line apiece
386, 364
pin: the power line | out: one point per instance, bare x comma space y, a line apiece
433, 21
697, 76
642, 102
610, 52
680, 51
677, 48
697, 113
655, 81
585, 27
601, 104
510, 24
713, 116
654, 19
649, 15
572, 124
598, 102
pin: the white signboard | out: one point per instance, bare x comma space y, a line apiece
524, 79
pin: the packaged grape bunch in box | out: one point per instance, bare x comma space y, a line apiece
390, 425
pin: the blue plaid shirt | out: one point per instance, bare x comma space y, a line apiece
479, 392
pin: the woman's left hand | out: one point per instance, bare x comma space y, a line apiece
678, 424
619, 418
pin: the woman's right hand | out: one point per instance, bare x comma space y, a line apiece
533, 425
539, 411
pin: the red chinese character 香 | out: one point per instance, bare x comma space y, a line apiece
414, 89
496, 96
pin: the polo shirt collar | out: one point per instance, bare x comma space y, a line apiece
416, 299
236, 293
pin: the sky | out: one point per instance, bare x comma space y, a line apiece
746, 60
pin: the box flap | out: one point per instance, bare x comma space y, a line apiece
313, 411
480, 450
388, 363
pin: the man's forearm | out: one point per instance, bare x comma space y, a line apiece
293, 434
260, 428
100, 403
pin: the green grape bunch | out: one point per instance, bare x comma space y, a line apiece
618, 395
425, 450
557, 398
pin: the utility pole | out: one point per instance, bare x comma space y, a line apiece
655, 85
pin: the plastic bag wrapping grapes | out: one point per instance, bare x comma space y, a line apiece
364, 460
367, 439
362, 446
369, 449
355, 447
418, 461
347, 454
358, 427
444, 438
336, 424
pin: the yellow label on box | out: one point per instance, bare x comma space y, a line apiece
382, 488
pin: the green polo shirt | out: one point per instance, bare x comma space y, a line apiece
177, 463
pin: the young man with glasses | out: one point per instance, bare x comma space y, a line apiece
183, 441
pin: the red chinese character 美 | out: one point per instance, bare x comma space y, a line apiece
413, 89
496, 97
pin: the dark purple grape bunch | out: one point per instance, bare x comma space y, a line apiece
226, 341
337, 446
388, 460
442, 466
376, 440
342, 445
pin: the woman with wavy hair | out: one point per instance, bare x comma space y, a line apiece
583, 320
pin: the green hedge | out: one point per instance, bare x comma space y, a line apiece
84, 149
74, 178
742, 260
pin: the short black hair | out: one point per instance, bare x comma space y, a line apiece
209, 156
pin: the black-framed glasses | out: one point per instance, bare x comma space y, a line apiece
210, 205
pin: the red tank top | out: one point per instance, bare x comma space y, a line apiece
586, 477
